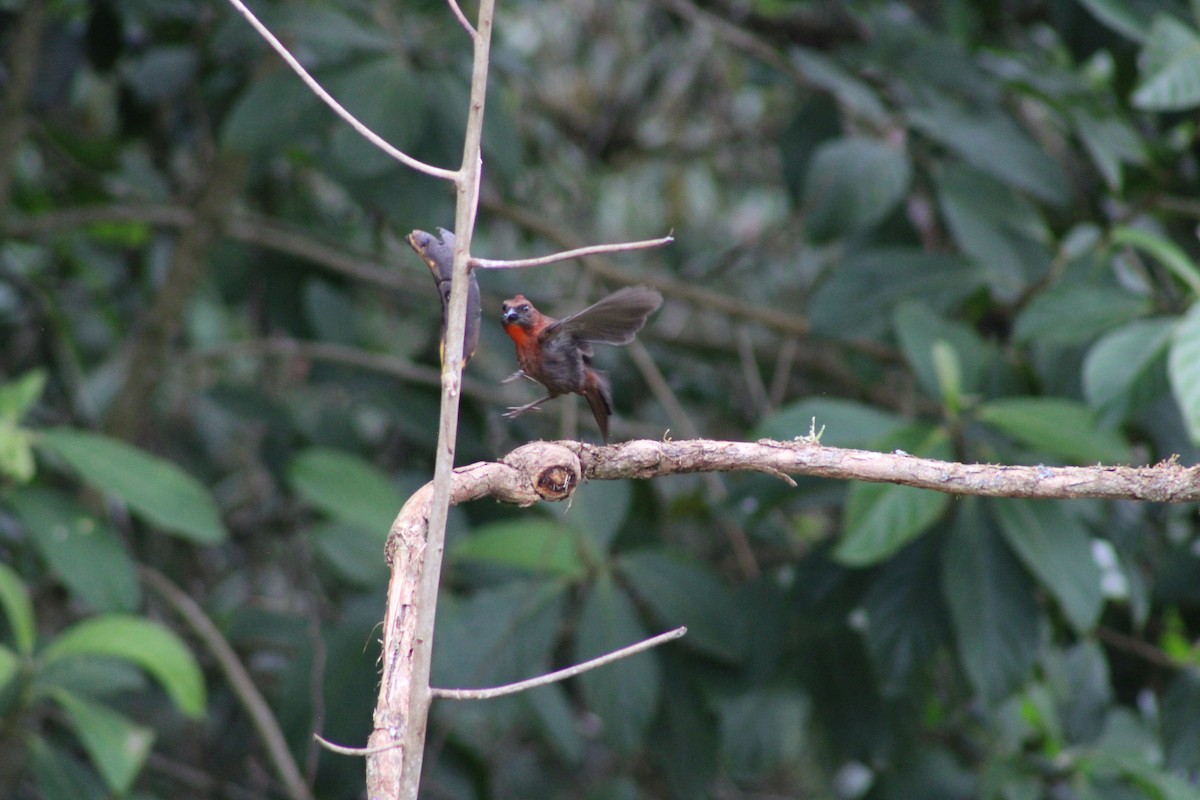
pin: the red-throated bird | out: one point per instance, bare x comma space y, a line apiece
557, 353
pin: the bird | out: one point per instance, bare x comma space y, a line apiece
557, 353
438, 255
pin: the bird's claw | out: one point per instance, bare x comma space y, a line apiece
516, 411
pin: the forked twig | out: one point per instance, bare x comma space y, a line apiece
559, 675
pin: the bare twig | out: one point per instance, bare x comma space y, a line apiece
344, 750
239, 681
705, 298
462, 18
351, 120
578, 252
559, 675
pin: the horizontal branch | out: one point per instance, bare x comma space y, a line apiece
567, 255
559, 675
1167, 482
351, 120
552, 470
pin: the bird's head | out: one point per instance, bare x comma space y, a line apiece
517, 311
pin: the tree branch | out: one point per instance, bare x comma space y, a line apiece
402, 710
462, 18
567, 255
319, 91
239, 679
551, 471
562, 674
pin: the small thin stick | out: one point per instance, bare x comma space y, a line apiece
462, 18
562, 674
566, 255
371, 136
354, 751
251, 699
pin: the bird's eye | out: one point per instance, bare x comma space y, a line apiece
524, 308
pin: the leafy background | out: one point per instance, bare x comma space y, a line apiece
962, 230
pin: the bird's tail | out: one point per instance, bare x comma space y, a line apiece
598, 394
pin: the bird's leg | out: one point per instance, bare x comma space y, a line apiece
518, 374
516, 411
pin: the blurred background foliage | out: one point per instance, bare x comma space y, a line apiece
965, 230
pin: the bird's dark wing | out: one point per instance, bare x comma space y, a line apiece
613, 320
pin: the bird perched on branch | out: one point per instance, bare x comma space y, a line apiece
438, 255
557, 353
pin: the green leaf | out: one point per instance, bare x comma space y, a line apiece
18, 395
59, 775
764, 730
906, 622
1056, 426
845, 423
598, 509
1072, 314
117, 745
993, 224
1127, 366
1121, 16
355, 553
14, 600
1110, 140
1055, 546
880, 518
9, 664
994, 144
1180, 708
873, 282
680, 592
154, 488
852, 184
1166, 252
624, 694
389, 99
498, 636
1183, 368
852, 93
16, 452
1170, 67
994, 616
272, 114
920, 331
81, 550
149, 645
540, 546
555, 715
346, 487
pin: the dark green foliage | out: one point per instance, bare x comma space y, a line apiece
963, 231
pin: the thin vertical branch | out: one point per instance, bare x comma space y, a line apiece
404, 695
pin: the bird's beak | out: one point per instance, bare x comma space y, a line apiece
509, 315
